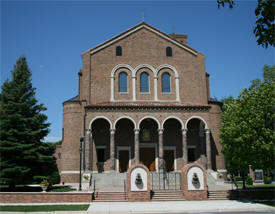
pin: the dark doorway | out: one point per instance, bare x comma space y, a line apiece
123, 160
169, 160
147, 157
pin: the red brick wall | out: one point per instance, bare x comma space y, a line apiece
28, 197
193, 195
138, 195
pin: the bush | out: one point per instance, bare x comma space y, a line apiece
249, 180
267, 179
238, 178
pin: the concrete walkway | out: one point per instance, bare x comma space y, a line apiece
176, 207
164, 207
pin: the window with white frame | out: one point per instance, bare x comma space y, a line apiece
165, 83
144, 82
122, 82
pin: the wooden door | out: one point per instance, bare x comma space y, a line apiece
147, 157
123, 160
169, 160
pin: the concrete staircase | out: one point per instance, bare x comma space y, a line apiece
110, 196
167, 195
218, 195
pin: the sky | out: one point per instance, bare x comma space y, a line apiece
54, 34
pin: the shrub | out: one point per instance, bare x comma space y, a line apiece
249, 180
267, 179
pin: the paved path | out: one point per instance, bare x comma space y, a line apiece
175, 207
167, 207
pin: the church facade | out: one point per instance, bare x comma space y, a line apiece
143, 98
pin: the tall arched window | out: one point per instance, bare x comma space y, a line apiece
165, 83
122, 82
169, 51
144, 82
118, 51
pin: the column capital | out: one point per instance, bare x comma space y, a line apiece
136, 131
184, 131
88, 131
112, 131
207, 131
155, 77
177, 77
160, 131
112, 77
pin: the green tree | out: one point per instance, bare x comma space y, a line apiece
22, 127
247, 132
265, 23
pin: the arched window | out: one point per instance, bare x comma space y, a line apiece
118, 51
169, 51
122, 82
165, 83
144, 82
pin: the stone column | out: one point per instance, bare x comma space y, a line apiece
91, 152
112, 149
155, 88
87, 150
134, 88
136, 145
202, 146
161, 161
112, 87
208, 149
184, 147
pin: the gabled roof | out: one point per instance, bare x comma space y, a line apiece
136, 28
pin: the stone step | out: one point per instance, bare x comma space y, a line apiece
167, 196
110, 196
218, 195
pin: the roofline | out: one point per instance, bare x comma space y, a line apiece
136, 28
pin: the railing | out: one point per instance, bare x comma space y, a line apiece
165, 180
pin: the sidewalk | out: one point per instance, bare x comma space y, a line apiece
176, 207
164, 207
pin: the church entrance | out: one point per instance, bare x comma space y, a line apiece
169, 160
147, 157
123, 160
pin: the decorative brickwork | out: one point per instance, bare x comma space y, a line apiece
138, 195
193, 195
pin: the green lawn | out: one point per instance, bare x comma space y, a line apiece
61, 189
44, 208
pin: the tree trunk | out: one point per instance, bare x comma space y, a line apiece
243, 177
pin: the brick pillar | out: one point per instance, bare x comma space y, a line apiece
136, 146
184, 147
208, 149
161, 161
112, 149
87, 150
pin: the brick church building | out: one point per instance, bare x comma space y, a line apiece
143, 97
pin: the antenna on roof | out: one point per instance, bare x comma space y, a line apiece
142, 16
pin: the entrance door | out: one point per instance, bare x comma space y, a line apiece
123, 160
169, 160
147, 157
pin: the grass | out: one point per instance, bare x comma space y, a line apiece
61, 189
44, 208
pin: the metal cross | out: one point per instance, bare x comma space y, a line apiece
142, 16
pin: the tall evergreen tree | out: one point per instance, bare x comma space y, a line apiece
22, 127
